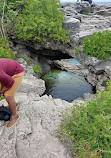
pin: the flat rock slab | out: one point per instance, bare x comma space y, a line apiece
35, 134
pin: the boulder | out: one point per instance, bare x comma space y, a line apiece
92, 78
99, 68
71, 67
108, 70
72, 25
32, 84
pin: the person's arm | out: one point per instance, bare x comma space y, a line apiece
7, 80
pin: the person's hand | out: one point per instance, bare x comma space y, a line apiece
4, 89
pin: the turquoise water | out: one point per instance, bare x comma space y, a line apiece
73, 61
65, 85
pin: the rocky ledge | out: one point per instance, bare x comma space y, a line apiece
35, 134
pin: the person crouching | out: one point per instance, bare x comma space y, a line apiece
11, 75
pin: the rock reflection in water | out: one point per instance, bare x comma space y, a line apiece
65, 85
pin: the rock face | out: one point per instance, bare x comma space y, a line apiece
99, 72
92, 19
72, 24
71, 67
32, 84
98, 19
35, 134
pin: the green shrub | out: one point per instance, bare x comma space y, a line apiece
102, 12
98, 45
35, 20
27, 59
40, 19
87, 11
77, 49
87, 128
109, 85
5, 51
37, 69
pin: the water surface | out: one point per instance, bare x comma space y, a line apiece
65, 85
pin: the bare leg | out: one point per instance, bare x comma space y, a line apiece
12, 106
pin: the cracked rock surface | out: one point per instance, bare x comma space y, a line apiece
35, 134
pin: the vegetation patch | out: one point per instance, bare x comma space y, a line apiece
27, 59
98, 45
77, 49
87, 128
36, 69
5, 51
103, 13
35, 20
87, 11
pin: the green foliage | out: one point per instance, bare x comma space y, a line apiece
35, 20
87, 128
109, 85
98, 45
102, 12
87, 11
77, 49
10, 12
27, 59
40, 19
37, 69
1, 8
5, 51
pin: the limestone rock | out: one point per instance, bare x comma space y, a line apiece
89, 97
100, 88
72, 24
32, 84
22, 62
92, 78
71, 67
108, 70
91, 61
35, 134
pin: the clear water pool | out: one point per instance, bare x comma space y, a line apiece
65, 85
